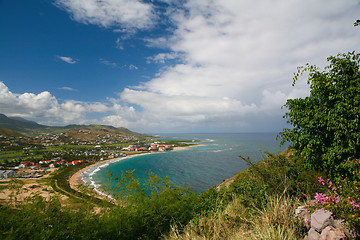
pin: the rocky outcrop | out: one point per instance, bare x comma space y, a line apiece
324, 226
331, 233
320, 219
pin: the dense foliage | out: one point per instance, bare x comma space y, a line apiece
145, 212
326, 129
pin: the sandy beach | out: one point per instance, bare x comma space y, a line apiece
76, 179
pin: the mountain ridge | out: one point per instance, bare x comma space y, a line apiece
28, 127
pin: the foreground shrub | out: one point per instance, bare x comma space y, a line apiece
145, 212
325, 124
342, 198
278, 174
37, 218
148, 210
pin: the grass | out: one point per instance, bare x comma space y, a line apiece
274, 221
259, 204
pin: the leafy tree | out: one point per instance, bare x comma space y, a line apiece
326, 131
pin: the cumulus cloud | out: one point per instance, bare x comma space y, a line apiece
45, 106
128, 14
67, 59
238, 58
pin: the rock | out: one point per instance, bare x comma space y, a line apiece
320, 219
330, 233
351, 234
313, 235
300, 211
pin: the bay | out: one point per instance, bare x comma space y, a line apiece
202, 166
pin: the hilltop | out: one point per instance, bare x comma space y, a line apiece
17, 126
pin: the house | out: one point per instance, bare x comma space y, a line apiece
76, 162
35, 166
24, 165
44, 162
153, 148
56, 164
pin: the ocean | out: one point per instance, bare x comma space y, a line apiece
214, 159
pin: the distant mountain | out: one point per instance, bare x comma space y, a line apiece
18, 124
26, 127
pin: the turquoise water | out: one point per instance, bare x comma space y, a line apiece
200, 167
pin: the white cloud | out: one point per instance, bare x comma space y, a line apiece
163, 57
133, 67
67, 88
127, 14
46, 106
119, 44
107, 63
238, 59
232, 61
161, 42
67, 59
126, 35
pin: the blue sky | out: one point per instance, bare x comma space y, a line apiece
165, 66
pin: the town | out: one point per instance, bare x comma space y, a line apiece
32, 157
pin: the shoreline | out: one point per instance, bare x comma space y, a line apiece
77, 180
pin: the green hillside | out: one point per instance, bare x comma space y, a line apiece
9, 133
19, 124
31, 128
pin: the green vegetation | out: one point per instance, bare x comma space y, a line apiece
273, 221
326, 129
139, 216
59, 182
258, 203
9, 132
30, 128
326, 133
